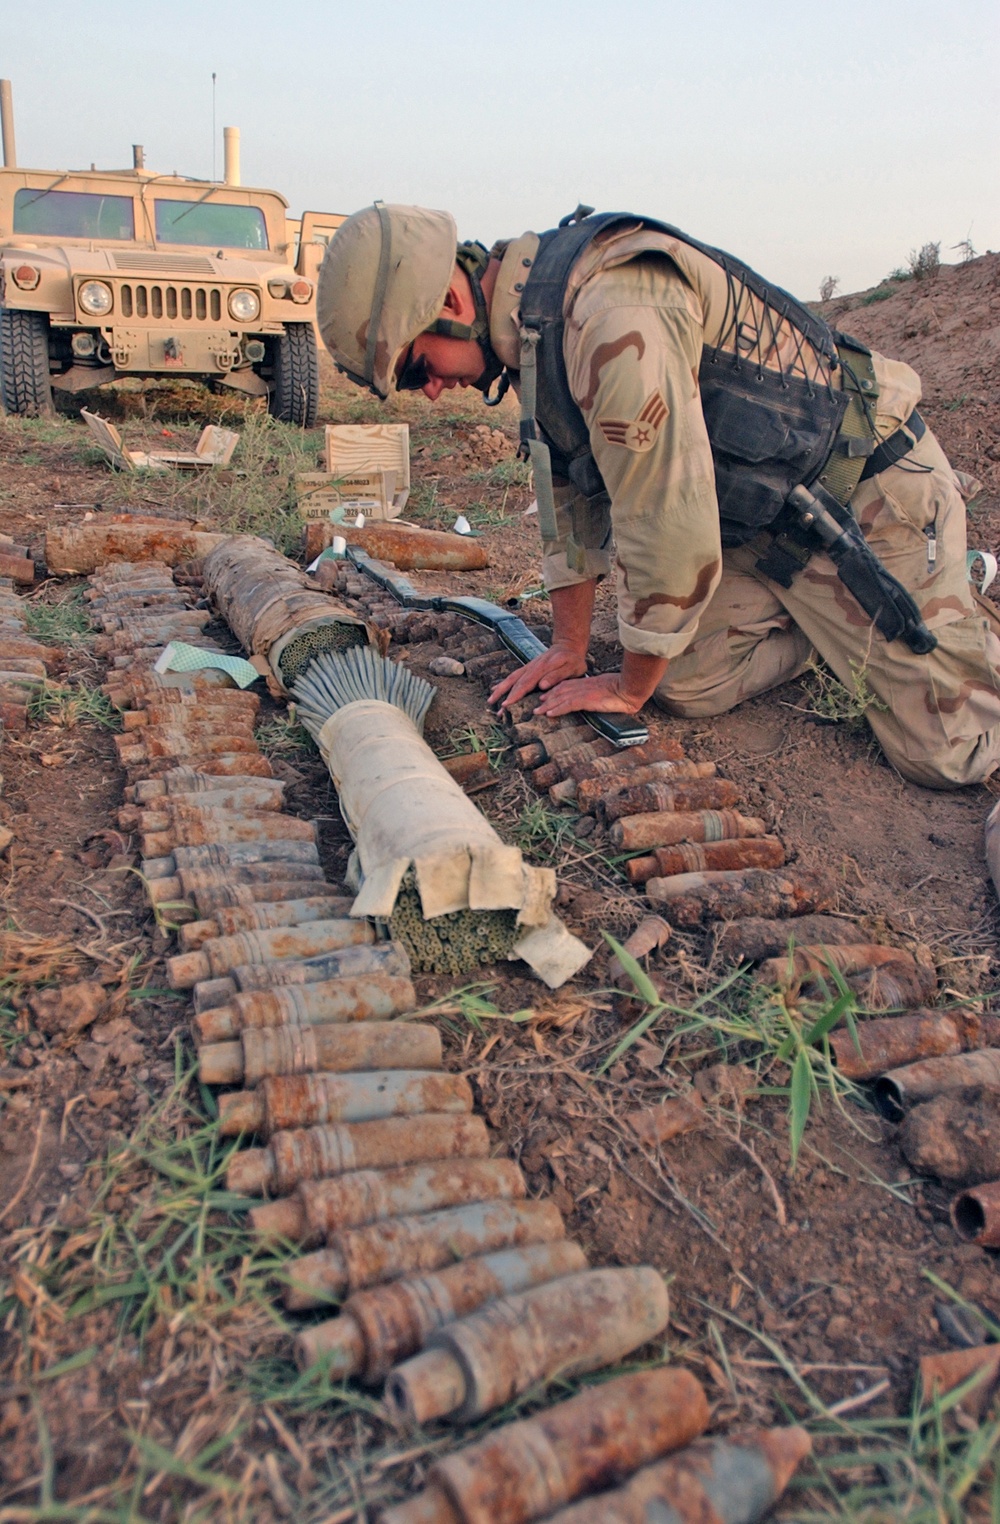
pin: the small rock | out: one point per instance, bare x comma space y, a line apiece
585, 826
6, 837
69, 1009
446, 666
69, 1170
102, 1098
92, 1057
838, 1329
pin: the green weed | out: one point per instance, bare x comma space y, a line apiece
832, 701
468, 738
282, 737
542, 832
67, 707
506, 473
59, 624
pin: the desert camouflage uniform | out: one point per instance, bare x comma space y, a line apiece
636, 324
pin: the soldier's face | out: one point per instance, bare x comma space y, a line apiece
448, 362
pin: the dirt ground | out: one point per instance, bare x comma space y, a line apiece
144, 1370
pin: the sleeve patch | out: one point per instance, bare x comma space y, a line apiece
640, 433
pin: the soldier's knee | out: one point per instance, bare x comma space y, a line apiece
695, 706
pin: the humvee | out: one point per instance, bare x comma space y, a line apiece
113, 273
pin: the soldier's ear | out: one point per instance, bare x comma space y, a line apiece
459, 301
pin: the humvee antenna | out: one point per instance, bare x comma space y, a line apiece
213, 125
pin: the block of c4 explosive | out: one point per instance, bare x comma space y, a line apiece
257, 917
736, 1480
712, 856
591, 790
525, 1470
365, 997
651, 798
569, 1326
331, 1048
413, 1245
316, 1153
379, 1327
222, 829
899, 1089
319, 1209
222, 955
691, 898
311, 1100
882, 1045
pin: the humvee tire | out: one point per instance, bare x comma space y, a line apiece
24, 362
294, 395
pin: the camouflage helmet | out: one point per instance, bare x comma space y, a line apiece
383, 280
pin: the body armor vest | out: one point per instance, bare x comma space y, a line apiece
770, 431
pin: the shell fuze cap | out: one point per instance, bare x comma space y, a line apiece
382, 282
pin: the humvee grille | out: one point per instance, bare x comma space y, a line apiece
162, 264
191, 304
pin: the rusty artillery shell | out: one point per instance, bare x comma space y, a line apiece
573, 1325
647, 799
242, 884
896, 985
160, 814
849, 958
714, 856
414, 1245
229, 854
185, 783
900, 1040
621, 764
697, 826
956, 1136
735, 1480
756, 938
272, 943
367, 997
593, 789
224, 765
317, 1153
310, 1100
975, 1215
409, 549
899, 1089
175, 745
691, 898
260, 916
193, 721
386, 957
527, 1469
471, 769
634, 833
319, 1209
333, 1048
380, 1327
222, 829
550, 774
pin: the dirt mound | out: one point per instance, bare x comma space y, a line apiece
947, 326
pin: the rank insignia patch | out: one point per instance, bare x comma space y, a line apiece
638, 433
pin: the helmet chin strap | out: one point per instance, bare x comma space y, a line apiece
473, 258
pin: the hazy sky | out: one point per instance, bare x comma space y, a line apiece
811, 139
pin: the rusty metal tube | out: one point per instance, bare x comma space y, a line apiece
888, 1044
736, 1480
309, 1100
636, 833
650, 799
525, 1470
569, 791
699, 826
163, 814
849, 958
573, 1325
366, 997
408, 549
333, 1048
319, 1209
172, 745
211, 889
222, 829
955, 1136
756, 938
691, 898
899, 1089
235, 854
975, 1215
714, 856
623, 764
76, 549
385, 957
182, 783
415, 1245
262, 916
379, 1327
316, 1153
222, 764
273, 943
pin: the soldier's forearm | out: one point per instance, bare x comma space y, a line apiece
572, 611
641, 675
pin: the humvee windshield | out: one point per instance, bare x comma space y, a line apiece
73, 214
211, 223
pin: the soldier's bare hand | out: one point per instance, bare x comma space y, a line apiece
552, 667
603, 694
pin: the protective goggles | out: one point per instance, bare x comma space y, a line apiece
414, 372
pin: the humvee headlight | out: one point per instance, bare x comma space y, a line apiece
244, 306
95, 298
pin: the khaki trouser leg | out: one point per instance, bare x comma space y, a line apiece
940, 724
